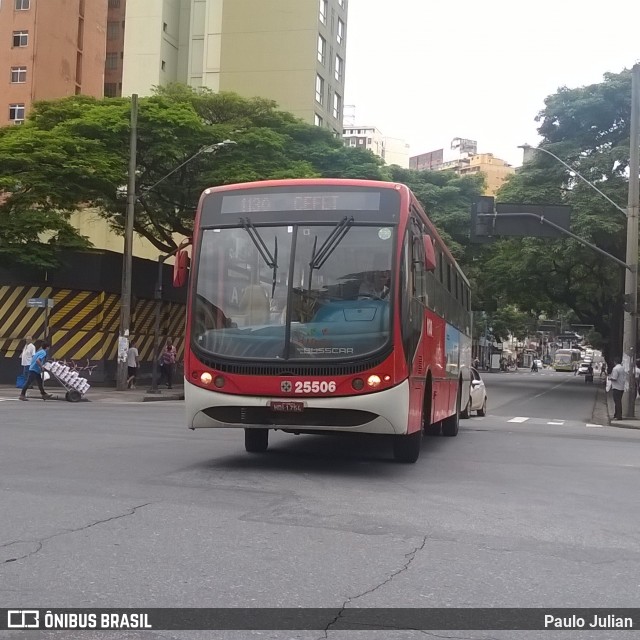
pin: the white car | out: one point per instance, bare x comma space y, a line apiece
477, 396
584, 368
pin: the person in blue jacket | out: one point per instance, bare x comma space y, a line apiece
35, 372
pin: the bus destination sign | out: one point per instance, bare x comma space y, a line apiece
299, 201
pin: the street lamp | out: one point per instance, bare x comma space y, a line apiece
631, 272
127, 254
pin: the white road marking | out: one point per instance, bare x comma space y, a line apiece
595, 426
558, 422
518, 419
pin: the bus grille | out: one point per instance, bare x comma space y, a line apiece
309, 417
291, 369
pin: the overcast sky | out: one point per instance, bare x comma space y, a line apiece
429, 71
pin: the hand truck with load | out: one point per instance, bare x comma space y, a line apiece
74, 385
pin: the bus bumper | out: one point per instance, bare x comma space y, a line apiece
385, 412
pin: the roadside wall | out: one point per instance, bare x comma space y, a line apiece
84, 322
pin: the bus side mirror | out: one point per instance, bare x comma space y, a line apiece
429, 254
181, 268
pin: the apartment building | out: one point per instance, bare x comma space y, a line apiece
391, 150
116, 10
291, 51
49, 49
494, 170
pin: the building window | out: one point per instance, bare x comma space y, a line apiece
322, 49
110, 90
16, 113
20, 38
18, 75
324, 7
112, 60
342, 3
317, 120
22, 5
164, 65
114, 4
164, 27
113, 30
337, 106
340, 34
319, 89
339, 70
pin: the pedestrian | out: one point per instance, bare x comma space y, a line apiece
476, 364
133, 362
168, 363
35, 372
618, 378
534, 366
26, 356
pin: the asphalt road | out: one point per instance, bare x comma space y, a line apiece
109, 504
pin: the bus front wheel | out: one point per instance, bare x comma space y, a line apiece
256, 440
407, 448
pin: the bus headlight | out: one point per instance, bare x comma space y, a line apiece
219, 382
357, 384
206, 378
373, 381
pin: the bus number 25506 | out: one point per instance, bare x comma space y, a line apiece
314, 386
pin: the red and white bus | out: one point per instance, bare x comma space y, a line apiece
324, 305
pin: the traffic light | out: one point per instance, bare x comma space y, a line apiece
481, 228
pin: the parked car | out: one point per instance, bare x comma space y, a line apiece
477, 396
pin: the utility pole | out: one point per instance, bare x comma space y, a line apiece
127, 256
631, 275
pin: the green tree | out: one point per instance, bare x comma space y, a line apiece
588, 127
73, 153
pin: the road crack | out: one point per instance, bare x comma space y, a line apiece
410, 557
40, 542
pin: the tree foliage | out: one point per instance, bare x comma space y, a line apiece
588, 128
73, 153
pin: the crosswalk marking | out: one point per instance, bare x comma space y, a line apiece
518, 419
558, 422
595, 426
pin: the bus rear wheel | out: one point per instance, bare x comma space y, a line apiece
451, 424
256, 440
406, 448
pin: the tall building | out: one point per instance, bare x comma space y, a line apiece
391, 150
49, 49
291, 51
115, 48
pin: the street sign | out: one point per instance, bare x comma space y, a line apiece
40, 302
491, 220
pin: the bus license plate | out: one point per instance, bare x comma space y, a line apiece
287, 406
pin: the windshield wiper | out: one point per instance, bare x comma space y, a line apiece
263, 250
319, 257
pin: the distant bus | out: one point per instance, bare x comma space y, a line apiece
325, 306
566, 359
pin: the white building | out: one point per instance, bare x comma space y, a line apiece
391, 150
290, 51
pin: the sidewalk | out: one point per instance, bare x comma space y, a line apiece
103, 394
604, 409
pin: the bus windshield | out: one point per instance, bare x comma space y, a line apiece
290, 292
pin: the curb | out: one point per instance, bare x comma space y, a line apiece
600, 412
160, 398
